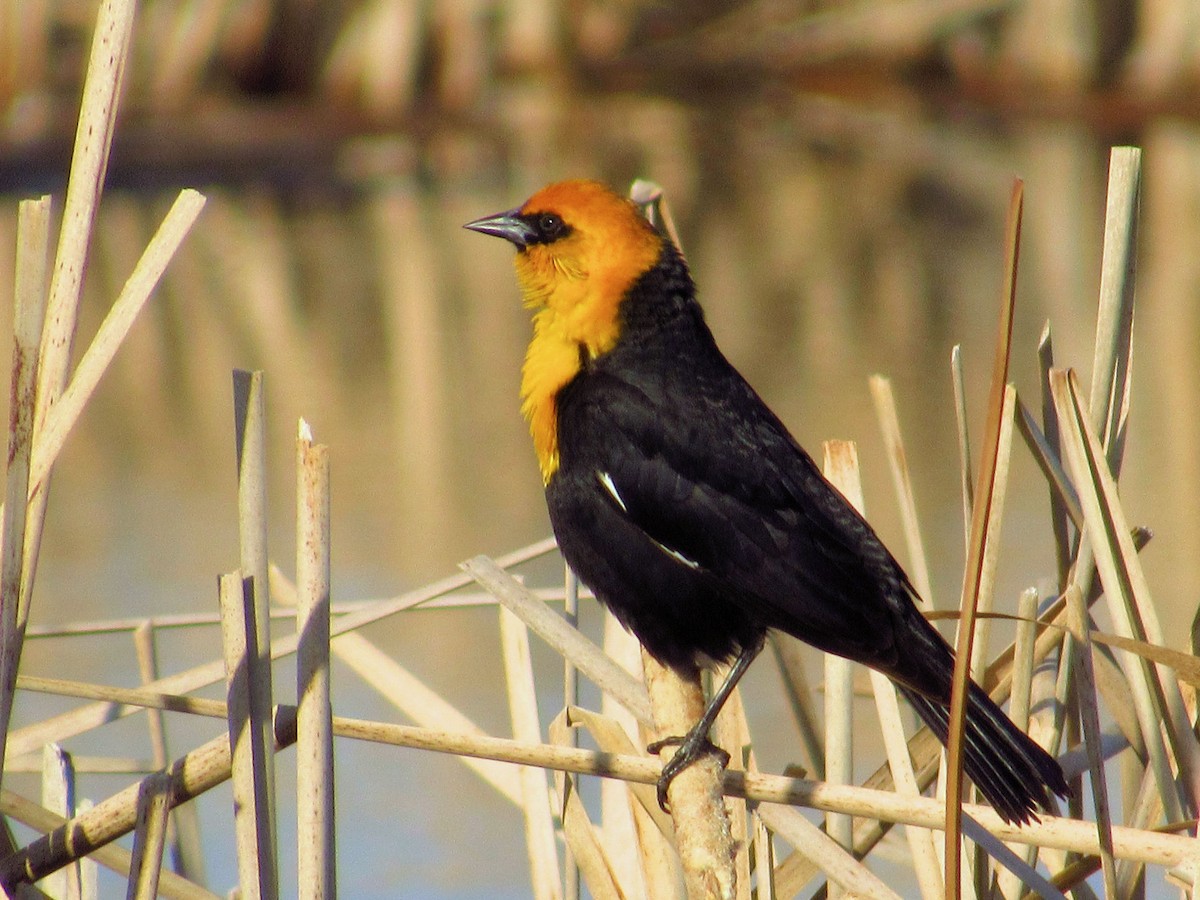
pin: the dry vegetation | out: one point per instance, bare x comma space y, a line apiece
1117, 706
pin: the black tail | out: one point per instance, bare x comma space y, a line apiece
1009, 769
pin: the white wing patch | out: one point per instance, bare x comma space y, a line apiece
609, 485
676, 555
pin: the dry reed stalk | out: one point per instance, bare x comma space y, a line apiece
703, 838
571, 876
113, 857
89, 162
1022, 668
841, 468
1049, 459
459, 600
764, 859
61, 418
967, 480
60, 727
1121, 573
149, 837
209, 765
567, 641
191, 775
843, 870
978, 553
33, 228
991, 553
406, 692
638, 835
535, 794
315, 837
920, 842
893, 440
1110, 397
1011, 863
1111, 367
581, 840
1019, 705
1059, 508
1085, 689
257, 877
58, 795
183, 829
89, 765
789, 656
250, 431
653, 869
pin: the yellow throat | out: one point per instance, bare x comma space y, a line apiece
576, 285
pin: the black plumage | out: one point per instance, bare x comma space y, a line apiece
692, 513
684, 503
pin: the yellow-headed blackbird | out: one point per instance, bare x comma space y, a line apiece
683, 502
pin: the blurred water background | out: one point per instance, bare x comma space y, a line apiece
839, 173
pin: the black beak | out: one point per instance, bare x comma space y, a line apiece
507, 225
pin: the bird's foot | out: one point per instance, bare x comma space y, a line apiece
692, 746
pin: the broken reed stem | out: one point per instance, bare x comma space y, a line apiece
316, 843
209, 765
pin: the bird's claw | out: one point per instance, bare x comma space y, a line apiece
691, 748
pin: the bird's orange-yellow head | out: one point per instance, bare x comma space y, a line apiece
580, 248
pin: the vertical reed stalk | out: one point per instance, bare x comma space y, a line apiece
316, 844
841, 468
255, 850
149, 836
535, 794
981, 518
29, 314
250, 429
183, 827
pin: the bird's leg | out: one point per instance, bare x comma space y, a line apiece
695, 743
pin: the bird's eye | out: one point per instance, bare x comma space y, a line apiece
550, 225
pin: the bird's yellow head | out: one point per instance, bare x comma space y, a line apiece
580, 248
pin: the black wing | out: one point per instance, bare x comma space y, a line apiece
711, 476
